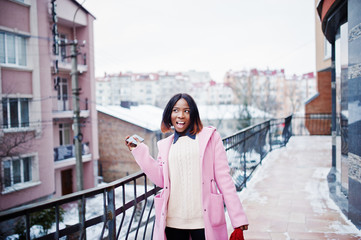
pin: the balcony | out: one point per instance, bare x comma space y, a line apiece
62, 108
64, 65
65, 155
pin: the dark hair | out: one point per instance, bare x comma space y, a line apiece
195, 124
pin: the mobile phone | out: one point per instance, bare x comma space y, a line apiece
132, 139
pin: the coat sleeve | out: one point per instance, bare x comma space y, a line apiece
226, 185
151, 167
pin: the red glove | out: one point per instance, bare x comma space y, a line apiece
237, 234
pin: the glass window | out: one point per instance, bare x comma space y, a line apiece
21, 51
15, 112
27, 169
63, 41
7, 173
2, 47
12, 49
64, 134
10, 43
17, 171
24, 106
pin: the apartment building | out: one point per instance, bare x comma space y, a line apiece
37, 151
270, 90
157, 88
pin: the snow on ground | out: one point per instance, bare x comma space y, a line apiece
316, 187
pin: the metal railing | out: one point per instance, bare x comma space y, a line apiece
247, 148
68, 151
311, 124
123, 209
119, 210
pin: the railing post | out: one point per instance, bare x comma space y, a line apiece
27, 225
244, 162
111, 214
270, 135
57, 218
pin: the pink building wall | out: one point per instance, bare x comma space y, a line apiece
36, 79
16, 82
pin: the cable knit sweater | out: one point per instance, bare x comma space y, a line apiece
185, 201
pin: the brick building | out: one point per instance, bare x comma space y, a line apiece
114, 124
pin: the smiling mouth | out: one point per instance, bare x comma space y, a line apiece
180, 124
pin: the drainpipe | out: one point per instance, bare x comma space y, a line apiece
333, 93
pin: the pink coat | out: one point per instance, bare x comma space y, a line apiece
215, 174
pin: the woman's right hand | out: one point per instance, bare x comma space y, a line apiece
131, 145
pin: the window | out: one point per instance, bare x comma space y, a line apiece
63, 104
17, 171
12, 49
63, 41
15, 112
64, 134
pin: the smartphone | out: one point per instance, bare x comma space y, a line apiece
132, 140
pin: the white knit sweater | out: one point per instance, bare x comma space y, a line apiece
185, 201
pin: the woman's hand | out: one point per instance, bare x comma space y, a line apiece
244, 227
131, 145
237, 234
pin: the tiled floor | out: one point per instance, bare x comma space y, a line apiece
288, 197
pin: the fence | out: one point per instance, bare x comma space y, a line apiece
247, 148
311, 124
123, 209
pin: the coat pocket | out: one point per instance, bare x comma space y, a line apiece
216, 213
158, 206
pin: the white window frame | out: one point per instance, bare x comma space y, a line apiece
17, 45
63, 97
33, 171
63, 128
20, 117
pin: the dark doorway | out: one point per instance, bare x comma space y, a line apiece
66, 181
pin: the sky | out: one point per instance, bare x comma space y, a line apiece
203, 35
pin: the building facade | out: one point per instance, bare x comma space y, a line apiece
340, 23
115, 123
157, 88
270, 90
37, 151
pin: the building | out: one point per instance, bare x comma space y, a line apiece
157, 88
268, 90
115, 123
37, 159
340, 23
230, 118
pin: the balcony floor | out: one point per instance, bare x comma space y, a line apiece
288, 197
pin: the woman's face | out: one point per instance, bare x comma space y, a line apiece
180, 116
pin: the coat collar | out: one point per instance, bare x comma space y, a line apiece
203, 138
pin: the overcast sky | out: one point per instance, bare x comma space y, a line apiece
203, 35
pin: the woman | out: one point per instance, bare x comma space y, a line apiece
192, 169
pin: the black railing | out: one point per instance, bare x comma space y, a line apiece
68, 151
119, 210
311, 124
123, 209
247, 148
